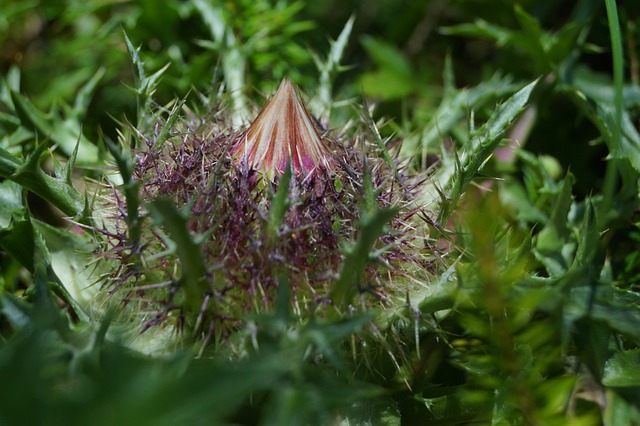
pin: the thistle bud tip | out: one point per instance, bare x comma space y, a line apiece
283, 131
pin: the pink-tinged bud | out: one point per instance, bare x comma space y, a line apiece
283, 131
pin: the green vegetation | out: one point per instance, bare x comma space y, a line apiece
473, 259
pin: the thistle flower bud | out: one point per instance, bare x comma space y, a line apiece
226, 182
283, 131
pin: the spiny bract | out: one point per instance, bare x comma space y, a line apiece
224, 183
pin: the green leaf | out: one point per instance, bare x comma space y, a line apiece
173, 117
213, 18
383, 151
351, 275
66, 132
145, 86
598, 87
328, 69
454, 107
327, 336
623, 369
10, 202
619, 411
18, 240
566, 40
554, 235
438, 295
232, 56
85, 94
387, 57
193, 270
72, 258
279, 205
23, 241
481, 28
283, 307
532, 39
131, 190
394, 77
589, 238
480, 148
454, 408
595, 95
338, 47
386, 84
617, 309
449, 91
16, 311
30, 175
543, 49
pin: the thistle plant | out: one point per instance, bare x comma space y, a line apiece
226, 214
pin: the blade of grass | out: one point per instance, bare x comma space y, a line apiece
611, 174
